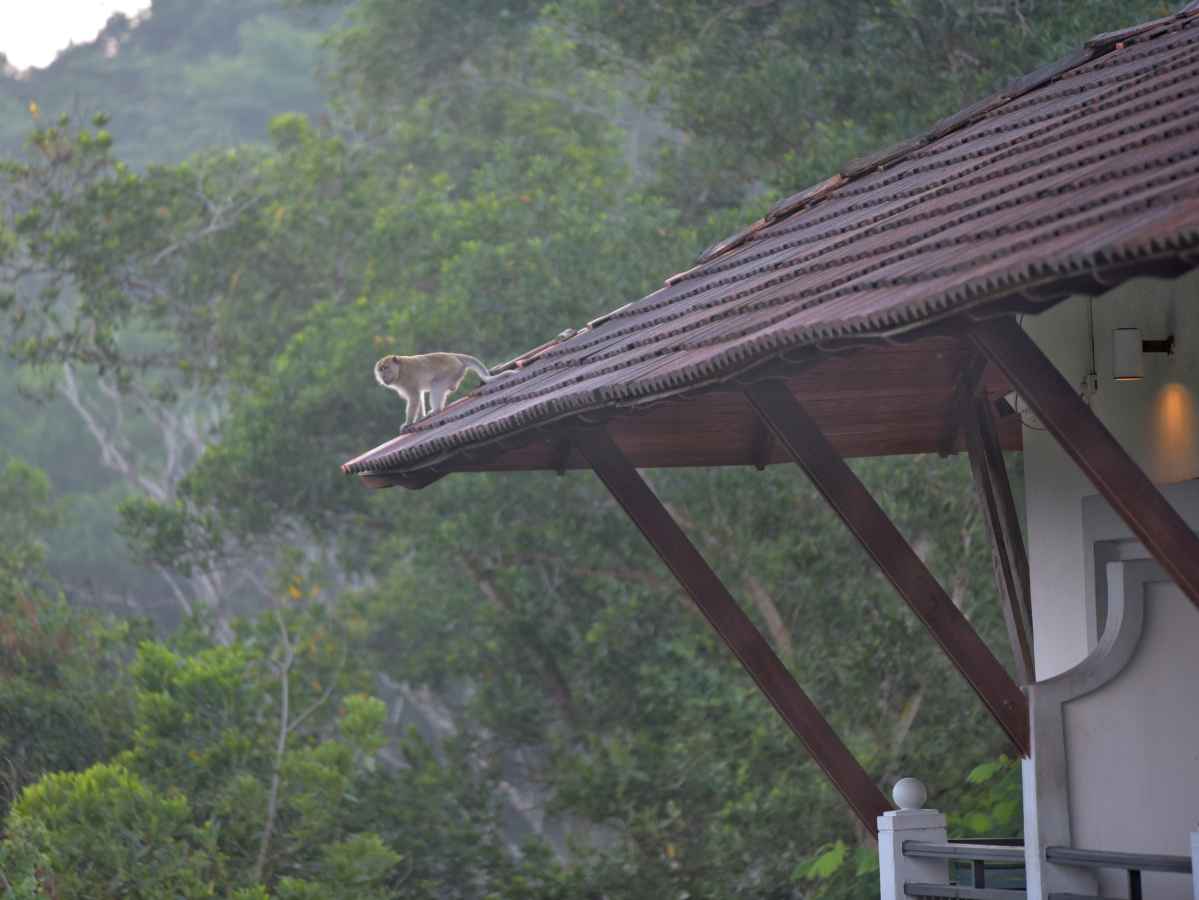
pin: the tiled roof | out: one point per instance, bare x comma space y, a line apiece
1088, 167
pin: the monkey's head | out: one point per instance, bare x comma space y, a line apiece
387, 370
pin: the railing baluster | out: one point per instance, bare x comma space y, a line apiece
979, 874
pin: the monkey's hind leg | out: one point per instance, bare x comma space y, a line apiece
438, 391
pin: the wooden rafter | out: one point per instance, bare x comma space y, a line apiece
1009, 521
966, 386
561, 457
733, 625
1003, 529
880, 538
763, 445
1094, 450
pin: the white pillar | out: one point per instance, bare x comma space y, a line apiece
1195, 861
909, 823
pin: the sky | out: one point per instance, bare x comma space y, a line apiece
33, 31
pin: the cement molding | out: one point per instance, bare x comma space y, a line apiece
1046, 795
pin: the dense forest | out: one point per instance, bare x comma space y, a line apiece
229, 670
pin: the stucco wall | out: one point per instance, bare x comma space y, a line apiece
1132, 749
1153, 418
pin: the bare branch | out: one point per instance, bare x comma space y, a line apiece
779, 632
542, 668
284, 669
175, 589
757, 593
910, 709
115, 449
214, 227
732, 11
324, 696
667, 586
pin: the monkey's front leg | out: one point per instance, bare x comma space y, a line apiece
415, 410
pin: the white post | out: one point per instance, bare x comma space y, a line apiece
1195, 861
910, 823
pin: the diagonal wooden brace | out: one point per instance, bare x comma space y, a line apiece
1086, 441
1003, 529
733, 625
880, 538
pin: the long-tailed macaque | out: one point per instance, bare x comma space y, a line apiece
435, 374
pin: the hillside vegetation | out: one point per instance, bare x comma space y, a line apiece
491, 687
189, 75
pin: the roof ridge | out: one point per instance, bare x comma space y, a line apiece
1098, 45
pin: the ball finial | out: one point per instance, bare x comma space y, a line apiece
909, 793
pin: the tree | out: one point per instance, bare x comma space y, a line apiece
785, 92
63, 702
252, 772
179, 77
477, 193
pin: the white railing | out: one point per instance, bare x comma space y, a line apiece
915, 857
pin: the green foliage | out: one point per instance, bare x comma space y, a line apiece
190, 74
788, 92
834, 871
481, 191
104, 833
246, 774
26, 514
174, 535
995, 805
63, 703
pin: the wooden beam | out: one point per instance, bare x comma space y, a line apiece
733, 625
894, 556
975, 421
965, 388
1009, 521
1094, 450
763, 445
561, 455
413, 482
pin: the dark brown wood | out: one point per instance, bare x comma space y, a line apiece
975, 418
561, 457
763, 445
1009, 520
967, 387
880, 538
872, 401
733, 625
1099, 455
413, 482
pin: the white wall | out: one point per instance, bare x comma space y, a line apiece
1132, 750
1115, 740
1154, 419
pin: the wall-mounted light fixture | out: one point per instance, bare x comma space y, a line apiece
1128, 363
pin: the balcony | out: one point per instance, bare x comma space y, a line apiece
916, 859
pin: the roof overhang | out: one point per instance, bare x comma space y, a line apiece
858, 291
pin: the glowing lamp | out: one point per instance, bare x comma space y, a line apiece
1128, 353
1128, 360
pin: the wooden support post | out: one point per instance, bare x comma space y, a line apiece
733, 625
967, 384
1086, 441
1009, 521
763, 445
990, 482
561, 455
898, 561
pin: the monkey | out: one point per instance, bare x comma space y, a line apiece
436, 374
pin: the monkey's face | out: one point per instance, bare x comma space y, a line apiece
387, 370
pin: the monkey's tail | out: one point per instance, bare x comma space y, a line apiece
478, 368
